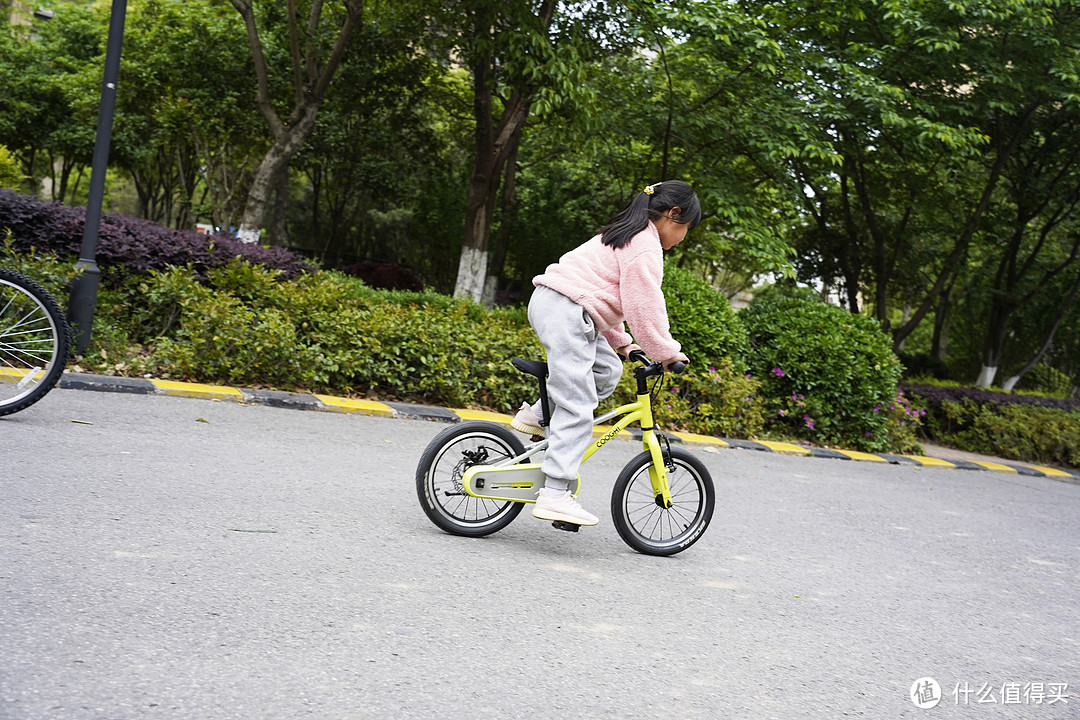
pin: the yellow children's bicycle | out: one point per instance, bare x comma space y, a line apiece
475, 477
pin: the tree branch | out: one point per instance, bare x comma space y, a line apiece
262, 78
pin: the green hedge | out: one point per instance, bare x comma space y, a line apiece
324, 332
240, 324
1048, 436
829, 377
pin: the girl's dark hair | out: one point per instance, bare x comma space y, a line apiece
650, 204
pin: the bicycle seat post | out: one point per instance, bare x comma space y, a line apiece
546, 410
539, 370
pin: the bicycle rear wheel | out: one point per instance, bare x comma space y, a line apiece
650, 528
442, 466
33, 342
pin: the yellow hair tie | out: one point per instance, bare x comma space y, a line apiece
650, 189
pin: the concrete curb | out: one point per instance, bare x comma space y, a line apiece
328, 403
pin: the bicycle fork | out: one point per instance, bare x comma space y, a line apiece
652, 442
658, 470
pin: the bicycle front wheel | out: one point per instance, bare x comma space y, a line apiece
648, 527
33, 342
442, 467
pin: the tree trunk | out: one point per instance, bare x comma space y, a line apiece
472, 267
278, 228
492, 146
850, 258
490, 157
995, 339
939, 343
1062, 311
497, 258
310, 78
267, 177
903, 319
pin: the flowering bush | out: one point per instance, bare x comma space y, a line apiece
904, 422
826, 374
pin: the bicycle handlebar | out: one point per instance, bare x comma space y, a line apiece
638, 356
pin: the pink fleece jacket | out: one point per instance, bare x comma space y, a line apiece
616, 286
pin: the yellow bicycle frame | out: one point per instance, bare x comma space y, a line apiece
640, 412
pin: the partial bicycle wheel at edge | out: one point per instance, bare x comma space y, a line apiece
654, 530
442, 466
33, 342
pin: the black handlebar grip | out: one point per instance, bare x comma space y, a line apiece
677, 367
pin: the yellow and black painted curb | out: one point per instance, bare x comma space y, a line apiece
306, 401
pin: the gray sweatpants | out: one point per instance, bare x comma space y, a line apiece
582, 370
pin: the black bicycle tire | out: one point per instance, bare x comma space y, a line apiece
694, 530
61, 339
426, 493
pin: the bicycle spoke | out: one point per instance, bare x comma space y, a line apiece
657, 530
33, 342
445, 480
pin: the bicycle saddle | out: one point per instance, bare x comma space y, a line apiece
531, 367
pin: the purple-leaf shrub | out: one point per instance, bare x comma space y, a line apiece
126, 243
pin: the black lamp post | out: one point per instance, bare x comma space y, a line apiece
84, 286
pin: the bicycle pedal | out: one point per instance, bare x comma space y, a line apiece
563, 525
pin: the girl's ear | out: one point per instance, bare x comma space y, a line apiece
675, 212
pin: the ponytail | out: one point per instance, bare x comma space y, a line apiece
650, 204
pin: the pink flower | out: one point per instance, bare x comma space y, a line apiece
778, 372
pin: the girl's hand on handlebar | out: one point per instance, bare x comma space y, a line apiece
678, 358
625, 350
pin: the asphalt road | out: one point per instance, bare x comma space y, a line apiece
174, 558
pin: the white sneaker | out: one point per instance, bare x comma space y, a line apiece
555, 505
526, 421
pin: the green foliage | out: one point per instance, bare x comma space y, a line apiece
924, 365
1046, 379
233, 343
1022, 432
242, 325
46, 269
719, 400
904, 422
703, 322
828, 376
10, 175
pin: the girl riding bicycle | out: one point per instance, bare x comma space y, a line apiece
578, 311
